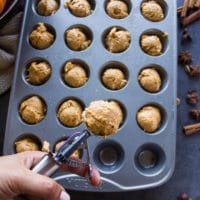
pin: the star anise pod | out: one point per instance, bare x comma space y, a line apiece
195, 113
185, 57
192, 97
186, 36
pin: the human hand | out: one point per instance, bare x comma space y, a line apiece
18, 182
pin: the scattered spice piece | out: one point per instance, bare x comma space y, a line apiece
195, 113
192, 97
179, 10
185, 57
186, 36
190, 129
178, 101
192, 70
191, 18
183, 196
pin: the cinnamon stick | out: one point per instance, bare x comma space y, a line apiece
185, 8
191, 18
190, 129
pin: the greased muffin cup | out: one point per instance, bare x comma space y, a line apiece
133, 158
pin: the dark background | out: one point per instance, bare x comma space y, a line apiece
186, 177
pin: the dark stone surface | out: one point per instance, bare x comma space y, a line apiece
186, 177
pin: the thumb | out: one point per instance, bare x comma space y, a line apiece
41, 187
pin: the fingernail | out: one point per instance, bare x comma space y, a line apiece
100, 182
64, 196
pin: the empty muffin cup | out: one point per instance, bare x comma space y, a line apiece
109, 156
150, 159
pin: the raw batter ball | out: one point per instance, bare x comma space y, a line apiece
149, 118
69, 113
45, 146
76, 39
152, 11
103, 118
74, 74
75, 154
117, 40
26, 144
114, 78
32, 110
47, 7
117, 9
151, 44
40, 38
79, 8
38, 73
150, 80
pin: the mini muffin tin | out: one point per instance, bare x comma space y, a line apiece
131, 159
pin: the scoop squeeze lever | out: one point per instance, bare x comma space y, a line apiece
50, 162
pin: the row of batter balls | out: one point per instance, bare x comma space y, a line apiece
117, 40
75, 75
117, 9
103, 118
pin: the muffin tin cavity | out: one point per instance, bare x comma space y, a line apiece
80, 8
78, 37
86, 72
154, 11
153, 78
150, 159
151, 118
69, 112
116, 39
154, 42
27, 142
32, 109
75, 73
42, 36
118, 9
47, 7
109, 156
37, 71
114, 75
